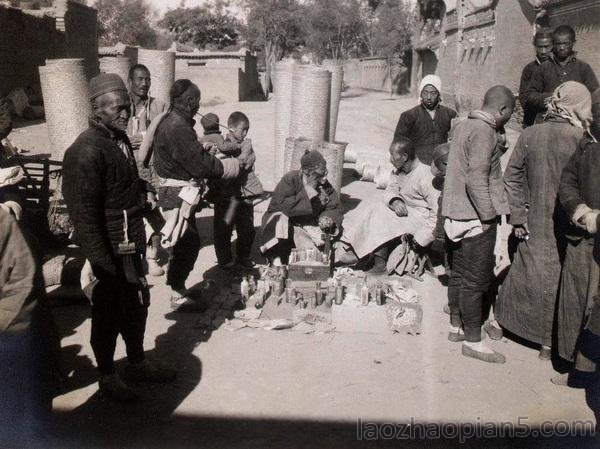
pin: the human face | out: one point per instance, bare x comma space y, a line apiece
563, 46
399, 158
503, 116
139, 84
113, 110
543, 48
193, 101
240, 131
430, 97
318, 174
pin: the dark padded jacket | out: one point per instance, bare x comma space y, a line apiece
99, 182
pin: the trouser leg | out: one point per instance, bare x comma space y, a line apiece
477, 270
454, 256
106, 317
244, 226
182, 258
222, 232
134, 326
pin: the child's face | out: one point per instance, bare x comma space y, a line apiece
240, 131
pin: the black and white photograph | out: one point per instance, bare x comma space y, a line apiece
292, 224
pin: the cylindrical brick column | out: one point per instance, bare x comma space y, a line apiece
162, 70
66, 101
119, 65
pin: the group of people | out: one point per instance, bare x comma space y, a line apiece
548, 194
141, 170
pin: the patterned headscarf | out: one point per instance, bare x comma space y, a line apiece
571, 101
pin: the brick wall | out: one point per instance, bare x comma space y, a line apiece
375, 74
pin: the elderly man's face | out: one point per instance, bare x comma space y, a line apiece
430, 96
140, 82
113, 110
543, 48
398, 157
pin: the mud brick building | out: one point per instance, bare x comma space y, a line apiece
67, 29
474, 44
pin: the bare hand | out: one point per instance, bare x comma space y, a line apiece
151, 199
246, 161
326, 223
590, 221
136, 140
521, 231
399, 208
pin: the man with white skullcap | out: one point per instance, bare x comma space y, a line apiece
426, 125
106, 200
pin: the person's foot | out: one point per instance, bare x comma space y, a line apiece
456, 334
575, 379
478, 350
246, 262
113, 387
179, 301
545, 353
148, 372
154, 269
493, 329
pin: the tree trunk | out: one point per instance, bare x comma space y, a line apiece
273, 53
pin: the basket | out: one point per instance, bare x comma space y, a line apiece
337, 80
333, 152
119, 65
310, 103
162, 70
66, 101
282, 88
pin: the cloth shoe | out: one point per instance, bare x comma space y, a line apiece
545, 353
575, 379
494, 332
456, 337
113, 387
147, 372
493, 357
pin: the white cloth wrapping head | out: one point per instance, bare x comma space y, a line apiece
432, 80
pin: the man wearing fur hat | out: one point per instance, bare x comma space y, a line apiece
106, 200
303, 206
427, 125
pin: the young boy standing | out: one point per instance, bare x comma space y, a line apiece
232, 210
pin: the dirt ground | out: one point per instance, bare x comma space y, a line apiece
256, 388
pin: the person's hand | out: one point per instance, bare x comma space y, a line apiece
210, 147
590, 221
311, 180
151, 199
521, 231
136, 140
399, 208
246, 161
326, 223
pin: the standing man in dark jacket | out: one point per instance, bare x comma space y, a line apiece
542, 42
563, 65
473, 202
579, 194
182, 163
106, 199
426, 125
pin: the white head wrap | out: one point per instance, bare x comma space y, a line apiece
433, 80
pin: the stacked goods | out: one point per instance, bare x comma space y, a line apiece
282, 89
337, 80
162, 69
119, 65
66, 101
310, 103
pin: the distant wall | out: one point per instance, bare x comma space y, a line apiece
375, 74
68, 30
216, 84
27, 41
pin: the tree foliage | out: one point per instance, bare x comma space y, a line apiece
126, 21
333, 27
394, 22
276, 26
205, 27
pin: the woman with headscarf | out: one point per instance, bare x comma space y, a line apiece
427, 125
527, 300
